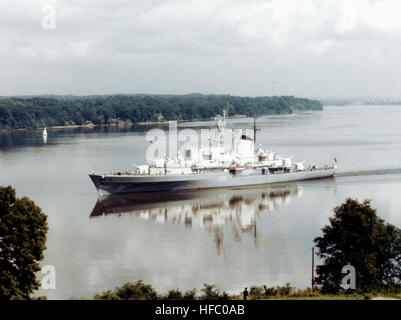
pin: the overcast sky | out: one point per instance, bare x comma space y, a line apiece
309, 48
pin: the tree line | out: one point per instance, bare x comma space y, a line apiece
48, 111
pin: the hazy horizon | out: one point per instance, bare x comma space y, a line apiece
305, 48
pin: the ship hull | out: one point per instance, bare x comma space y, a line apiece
118, 184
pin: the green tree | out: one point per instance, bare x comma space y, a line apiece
23, 229
174, 294
130, 291
211, 292
356, 235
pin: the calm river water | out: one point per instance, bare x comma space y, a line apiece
231, 238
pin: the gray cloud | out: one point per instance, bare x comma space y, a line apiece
303, 47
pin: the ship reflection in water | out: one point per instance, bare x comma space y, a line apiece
211, 210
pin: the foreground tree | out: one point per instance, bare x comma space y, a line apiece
357, 236
23, 229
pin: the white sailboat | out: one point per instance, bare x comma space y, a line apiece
44, 136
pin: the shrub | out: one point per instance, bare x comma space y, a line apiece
189, 295
211, 292
130, 291
174, 294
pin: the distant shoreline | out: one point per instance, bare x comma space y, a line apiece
39, 112
121, 124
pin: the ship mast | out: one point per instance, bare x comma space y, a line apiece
254, 131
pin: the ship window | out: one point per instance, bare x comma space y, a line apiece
188, 153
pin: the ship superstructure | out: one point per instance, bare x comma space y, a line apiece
228, 159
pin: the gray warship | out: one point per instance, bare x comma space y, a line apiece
217, 164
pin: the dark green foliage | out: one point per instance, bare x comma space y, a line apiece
190, 294
142, 291
257, 292
211, 292
34, 112
130, 291
356, 235
262, 292
285, 290
174, 294
23, 229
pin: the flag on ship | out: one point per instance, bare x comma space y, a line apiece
335, 160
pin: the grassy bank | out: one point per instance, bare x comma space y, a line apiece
142, 291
